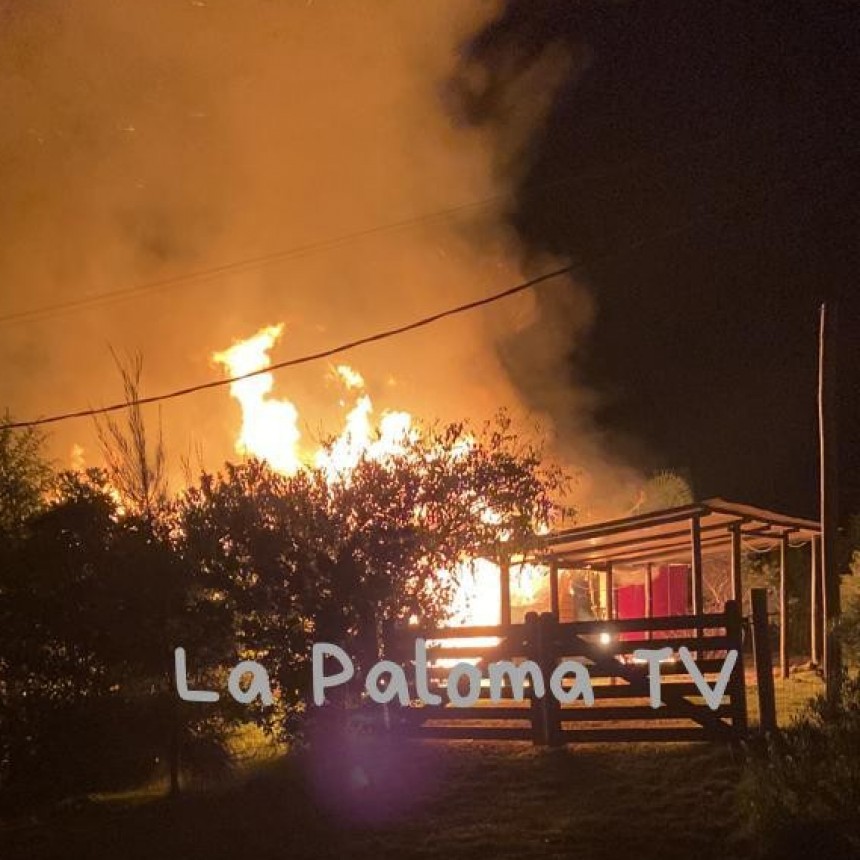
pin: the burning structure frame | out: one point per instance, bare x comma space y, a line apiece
683, 535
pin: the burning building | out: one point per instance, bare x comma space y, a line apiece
642, 566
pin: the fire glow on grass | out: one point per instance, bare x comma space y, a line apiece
270, 431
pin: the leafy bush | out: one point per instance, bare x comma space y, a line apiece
801, 789
91, 744
849, 625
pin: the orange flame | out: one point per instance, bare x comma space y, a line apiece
270, 431
270, 428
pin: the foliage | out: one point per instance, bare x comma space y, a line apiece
664, 489
322, 556
92, 601
848, 550
136, 469
50, 618
848, 547
25, 476
849, 626
104, 575
761, 570
802, 786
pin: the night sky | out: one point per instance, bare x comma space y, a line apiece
700, 161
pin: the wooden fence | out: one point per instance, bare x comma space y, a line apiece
621, 709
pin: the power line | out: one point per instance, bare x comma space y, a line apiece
250, 263
304, 359
237, 266
677, 229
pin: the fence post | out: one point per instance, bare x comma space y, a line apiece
763, 660
533, 652
737, 684
548, 629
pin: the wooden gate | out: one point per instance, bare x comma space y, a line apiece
621, 686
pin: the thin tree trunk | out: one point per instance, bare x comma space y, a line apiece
174, 744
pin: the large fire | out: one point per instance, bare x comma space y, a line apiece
270, 428
270, 431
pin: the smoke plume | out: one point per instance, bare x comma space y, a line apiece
143, 141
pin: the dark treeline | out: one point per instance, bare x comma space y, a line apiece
98, 586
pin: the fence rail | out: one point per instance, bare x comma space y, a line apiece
621, 686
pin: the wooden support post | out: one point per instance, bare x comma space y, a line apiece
696, 546
610, 592
829, 475
505, 591
541, 640
649, 594
783, 606
548, 649
698, 574
737, 688
554, 602
737, 580
533, 652
815, 601
610, 600
763, 662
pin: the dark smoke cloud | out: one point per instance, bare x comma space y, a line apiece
700, 160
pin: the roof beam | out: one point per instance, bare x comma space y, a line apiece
596, 551
681, 554
672, 515
644, 553
721, 506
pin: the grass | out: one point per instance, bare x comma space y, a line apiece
791, 694
432, 800
370, 798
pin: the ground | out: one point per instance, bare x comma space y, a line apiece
432, 800
428, 800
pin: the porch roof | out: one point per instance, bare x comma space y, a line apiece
665, 536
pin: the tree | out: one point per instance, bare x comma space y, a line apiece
25, 479
800, 789
665, 489
136, 468
93, 599
25, 476
53, 618
333, 555
165, 606
849, 626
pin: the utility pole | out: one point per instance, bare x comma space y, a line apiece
829, 496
